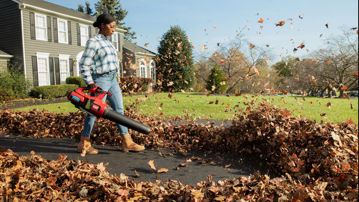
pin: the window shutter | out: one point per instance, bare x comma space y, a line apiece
32, 26
71, 67
55, 31
52, 76
57, 71
90, 32
49, 34
69, 29
119, 42
35, 76
78, 34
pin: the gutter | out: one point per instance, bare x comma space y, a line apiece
144, 54
6, 56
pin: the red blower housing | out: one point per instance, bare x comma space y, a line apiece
96, 106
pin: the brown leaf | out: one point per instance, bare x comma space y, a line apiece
183, 165
280, 23
137, 175
151, 163
346, 96
162, 170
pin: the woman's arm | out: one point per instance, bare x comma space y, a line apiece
87, 61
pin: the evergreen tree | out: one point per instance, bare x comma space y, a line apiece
81, 8
175, 61
114, 8
216, 82
88, 9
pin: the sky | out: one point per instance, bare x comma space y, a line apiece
209, 22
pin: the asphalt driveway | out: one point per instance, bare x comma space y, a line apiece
224, 167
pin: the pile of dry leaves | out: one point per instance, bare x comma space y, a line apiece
316, 161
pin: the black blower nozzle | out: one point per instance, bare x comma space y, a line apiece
124, 120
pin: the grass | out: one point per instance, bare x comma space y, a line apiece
198, 106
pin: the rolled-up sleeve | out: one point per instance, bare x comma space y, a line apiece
87, 61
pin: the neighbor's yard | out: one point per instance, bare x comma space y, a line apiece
223, 107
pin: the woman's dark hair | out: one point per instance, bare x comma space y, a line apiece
103, 18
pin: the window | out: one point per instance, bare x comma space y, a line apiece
84, 34
143, 69
64, 68
43, 68
115, 40
62, 30
40, 27
152, 69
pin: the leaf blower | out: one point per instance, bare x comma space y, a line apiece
99, 108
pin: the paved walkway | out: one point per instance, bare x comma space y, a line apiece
127, 163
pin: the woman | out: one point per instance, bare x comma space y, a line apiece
98, 67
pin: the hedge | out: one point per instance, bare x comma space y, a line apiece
76, 80
132, 84
53, 91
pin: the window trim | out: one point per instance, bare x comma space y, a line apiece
144, 62
152, 66
46, 56
37, 27
115, 40
68, 73
66, 40
87, 33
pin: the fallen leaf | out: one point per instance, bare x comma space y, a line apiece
162, 170
182, 165
137, 175
151, 163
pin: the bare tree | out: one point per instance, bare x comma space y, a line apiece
238, 60
338, 63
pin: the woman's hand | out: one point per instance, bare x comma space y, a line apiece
93, 88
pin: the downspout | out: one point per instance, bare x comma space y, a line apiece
23, 40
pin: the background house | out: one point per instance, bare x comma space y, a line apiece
4, 60
48, 40
138, 61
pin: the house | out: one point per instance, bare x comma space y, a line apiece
138, 61
48, 40
4, 60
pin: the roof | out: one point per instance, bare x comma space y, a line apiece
58, 8
137, 49
5, 55
47, 6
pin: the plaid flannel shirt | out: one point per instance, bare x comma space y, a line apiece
99, 57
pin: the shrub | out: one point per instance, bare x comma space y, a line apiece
76, 80
53, 91
6, 94
132, 84
13, 85
216, 82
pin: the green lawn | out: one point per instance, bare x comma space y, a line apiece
198, 106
